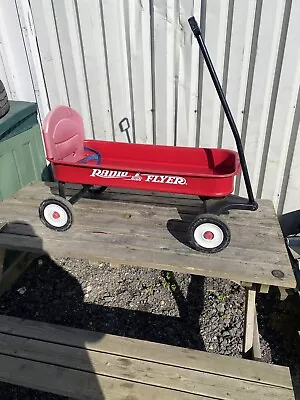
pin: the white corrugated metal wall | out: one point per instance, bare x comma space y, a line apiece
112, 59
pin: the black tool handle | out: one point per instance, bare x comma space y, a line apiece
124, 127
196, 30
194, 26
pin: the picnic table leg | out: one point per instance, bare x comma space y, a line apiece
251, 345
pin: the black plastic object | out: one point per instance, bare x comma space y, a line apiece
124, 127
4, 103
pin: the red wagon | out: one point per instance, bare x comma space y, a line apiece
95, 164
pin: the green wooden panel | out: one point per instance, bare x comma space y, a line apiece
9, 177
22, 161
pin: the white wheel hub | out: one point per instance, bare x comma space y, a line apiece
208, 235
55, 215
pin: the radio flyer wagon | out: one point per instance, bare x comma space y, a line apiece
95, 164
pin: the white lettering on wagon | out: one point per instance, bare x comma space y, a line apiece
112, 174
173, 180
106, 173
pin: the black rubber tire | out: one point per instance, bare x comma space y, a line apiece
97, 189
65, 204
4, 103
212, 219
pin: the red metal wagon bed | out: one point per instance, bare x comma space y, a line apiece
194, 171
204, 172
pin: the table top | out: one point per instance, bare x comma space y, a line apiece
146, 229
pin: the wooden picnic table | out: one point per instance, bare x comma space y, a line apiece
147, 230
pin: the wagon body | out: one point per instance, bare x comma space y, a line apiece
193, 171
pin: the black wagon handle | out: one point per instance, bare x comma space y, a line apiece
196, 31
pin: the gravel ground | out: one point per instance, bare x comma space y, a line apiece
181, 310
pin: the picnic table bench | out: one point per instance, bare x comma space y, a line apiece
144, 230
90, 365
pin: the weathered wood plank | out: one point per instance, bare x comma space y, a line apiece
137, 213
148, 222
162, 259
283, 293
80, 384
135, 232
249, 320
251, 345
256, 341
155, 215
162, 208
153, 352
138, 371
264, 288
152, 235
130, 200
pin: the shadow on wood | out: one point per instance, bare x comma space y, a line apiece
71, 309
36, 376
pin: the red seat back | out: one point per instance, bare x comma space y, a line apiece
63, 133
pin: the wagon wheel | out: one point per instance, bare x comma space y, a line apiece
208, 234
56, 213
97, 189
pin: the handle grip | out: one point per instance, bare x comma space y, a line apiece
95, 156
124, 124
194, 26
